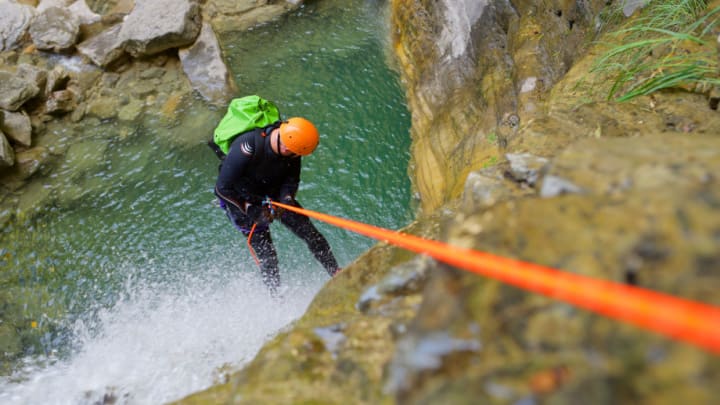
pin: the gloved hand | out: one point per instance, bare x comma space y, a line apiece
259, 214
287, 199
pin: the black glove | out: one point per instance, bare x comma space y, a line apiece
259, 214
288, 199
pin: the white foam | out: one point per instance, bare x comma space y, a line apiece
162, 343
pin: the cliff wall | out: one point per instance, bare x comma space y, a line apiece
517, 151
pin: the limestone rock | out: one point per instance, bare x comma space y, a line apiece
60, 102
204, 65
55, 29
104, 48
17, 127
83, 13
14, 22
157, 25
15, 91
489, 186
33, 74
46, 4
618, 165
7, 154
241, 15
525, 167
630, 6
57, 79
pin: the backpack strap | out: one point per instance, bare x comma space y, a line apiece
260, 140
215, 148
259, 153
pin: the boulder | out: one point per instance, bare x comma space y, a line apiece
14, 22
104, 48
57, 79
55, 29
60, 102
83, 13
7, 154
33, 74
205, 67
15, 91
154, 26
17, 127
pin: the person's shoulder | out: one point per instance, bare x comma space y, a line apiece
245, 143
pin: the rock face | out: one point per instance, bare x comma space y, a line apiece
515, 154
511, 56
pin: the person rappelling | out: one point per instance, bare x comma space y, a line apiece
260, 165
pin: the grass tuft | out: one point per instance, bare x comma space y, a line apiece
665, 47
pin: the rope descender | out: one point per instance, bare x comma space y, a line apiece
267, 202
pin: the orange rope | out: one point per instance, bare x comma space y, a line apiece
252, 251
690, 321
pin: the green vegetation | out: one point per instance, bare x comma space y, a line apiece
491, 161
670, 45
492, 137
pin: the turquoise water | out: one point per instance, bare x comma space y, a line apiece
118, 277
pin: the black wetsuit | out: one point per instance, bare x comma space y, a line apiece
252, 171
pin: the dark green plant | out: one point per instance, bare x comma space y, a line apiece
665, 47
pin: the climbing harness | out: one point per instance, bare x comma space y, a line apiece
681, 319
267, 202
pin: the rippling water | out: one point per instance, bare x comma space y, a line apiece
134, 286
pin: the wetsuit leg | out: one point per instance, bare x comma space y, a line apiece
301, 226
261, 243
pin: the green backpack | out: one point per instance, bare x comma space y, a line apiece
243, 114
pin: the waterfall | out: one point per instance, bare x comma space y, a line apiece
161, 342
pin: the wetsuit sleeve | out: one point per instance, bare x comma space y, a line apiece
292, 181
232, 181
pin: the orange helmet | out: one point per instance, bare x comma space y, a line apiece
299, 135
